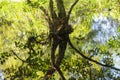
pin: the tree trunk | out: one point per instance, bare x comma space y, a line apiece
59, 34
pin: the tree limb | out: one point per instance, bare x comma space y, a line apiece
62, 48
47, 17
60, 73
80, 53
52, 12
49, 72
56, 63
46, 13
61, 9
53, 49
70, 10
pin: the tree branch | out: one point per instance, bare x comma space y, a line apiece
46, 13
47, 17
17, 56
49, 73
70, 10
80, 53
61, 9
60, 73
53, 49
52, 12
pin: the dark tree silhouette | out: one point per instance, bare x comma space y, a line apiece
59, 30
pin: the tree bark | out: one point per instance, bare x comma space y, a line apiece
59, 32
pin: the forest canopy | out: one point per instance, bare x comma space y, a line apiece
59, 40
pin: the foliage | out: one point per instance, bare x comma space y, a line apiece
25, 48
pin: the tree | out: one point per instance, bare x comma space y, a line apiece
59, 30
60, 36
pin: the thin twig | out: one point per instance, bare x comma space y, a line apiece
47, 17
80, 53
70, 10
17, 56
